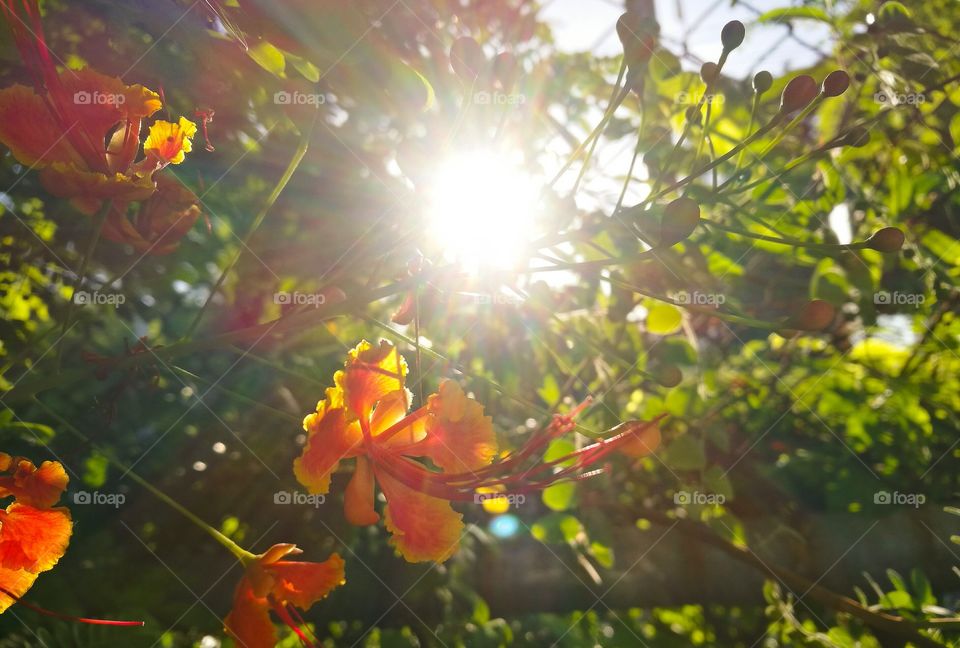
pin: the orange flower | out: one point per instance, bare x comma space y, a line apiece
160, 221
282, 586
33, 534
364, 416
80, 128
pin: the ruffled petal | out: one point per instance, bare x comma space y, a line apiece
88, 189
29, 130
330, 439
15, 581
160, 223
358, 499
459, 437
305, 583
99, 102
371, 374
170, 142
424, 528
33, 539
38, 487
249, 621
392, 410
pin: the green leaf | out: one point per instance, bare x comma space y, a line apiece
686, 453
790, 13
269, 58
95, 471
309, 71
550, 392
559, 497
663, 319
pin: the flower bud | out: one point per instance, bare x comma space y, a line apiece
709, 72
799, 92
732, 35
815, 315
836, 83
888, 239
762, 81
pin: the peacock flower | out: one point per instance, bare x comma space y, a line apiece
365, 417
169, 143
33, 532
159, 222
283, 586
80, 128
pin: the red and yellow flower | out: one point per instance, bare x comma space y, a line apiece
80, 128
283, 586
365, 417
34, 533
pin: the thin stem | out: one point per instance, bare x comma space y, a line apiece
257, 221
239, 552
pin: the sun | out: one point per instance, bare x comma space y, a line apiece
481, 210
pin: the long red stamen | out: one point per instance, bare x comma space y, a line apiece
284, 615
67, 617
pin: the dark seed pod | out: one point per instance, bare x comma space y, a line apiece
680, 218
799, 92
888, 239
669, 376
762, 81
467, 59
836, 83
709, 72
506, 70
732, 35
857, 137
815, 315
638, 35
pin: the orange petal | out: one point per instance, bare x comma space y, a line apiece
358, 499
249, 621
33, 539
305, 583
161, 221
15, 581
330, 439
29, 130
424, 528
372, 373
98, 102
459, 437
645, 441
37, 487
391, 410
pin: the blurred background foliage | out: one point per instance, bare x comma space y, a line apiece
797, 432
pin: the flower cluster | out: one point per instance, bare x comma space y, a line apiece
82, 130
443, 452
34, 533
